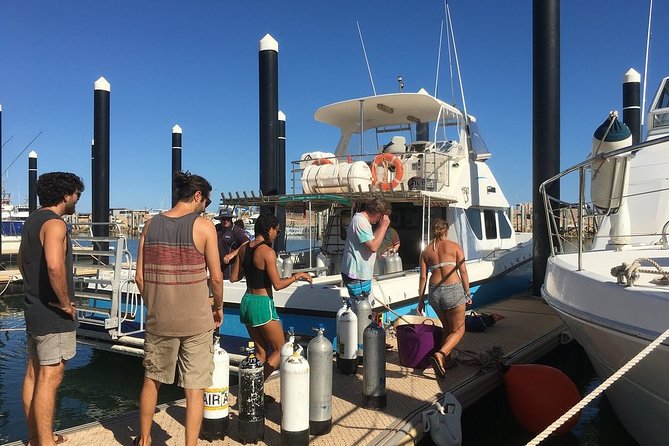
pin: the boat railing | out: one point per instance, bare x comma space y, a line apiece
428, 168
572, 226
104, 284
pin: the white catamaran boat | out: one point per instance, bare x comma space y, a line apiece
615, 296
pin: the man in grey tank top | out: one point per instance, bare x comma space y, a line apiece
176, 249
45, 262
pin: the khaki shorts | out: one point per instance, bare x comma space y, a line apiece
52, 348
193, 356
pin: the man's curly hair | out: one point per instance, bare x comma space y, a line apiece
52, 187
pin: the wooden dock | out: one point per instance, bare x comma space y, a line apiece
529, 330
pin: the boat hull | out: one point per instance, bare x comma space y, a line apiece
588, 303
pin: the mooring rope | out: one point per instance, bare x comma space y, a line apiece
12, 278
601, 388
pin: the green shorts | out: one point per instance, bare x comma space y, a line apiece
256, 310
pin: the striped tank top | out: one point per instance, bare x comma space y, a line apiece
176, 292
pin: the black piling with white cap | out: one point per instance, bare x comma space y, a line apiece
268, 112
176, 159
545, 124
32, 181
280, 242
632, 103
100, 174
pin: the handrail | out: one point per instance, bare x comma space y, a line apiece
581, 167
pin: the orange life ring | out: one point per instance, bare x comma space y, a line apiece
320, 161
382, 160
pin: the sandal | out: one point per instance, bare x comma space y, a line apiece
438, 369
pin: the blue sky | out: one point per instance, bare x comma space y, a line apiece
195, 64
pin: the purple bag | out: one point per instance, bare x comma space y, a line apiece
417, 342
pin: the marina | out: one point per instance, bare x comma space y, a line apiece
407, 143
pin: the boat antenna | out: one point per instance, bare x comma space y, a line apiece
436, 77
645, 67
25, 148
457, 63
450, 64
400, 83
364, 51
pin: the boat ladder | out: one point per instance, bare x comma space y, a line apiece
108, 304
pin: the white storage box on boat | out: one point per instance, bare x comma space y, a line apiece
316, 158
336, 178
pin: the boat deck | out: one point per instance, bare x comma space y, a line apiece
529, 330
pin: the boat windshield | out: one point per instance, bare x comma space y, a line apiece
660, 108
416, 136
479, 147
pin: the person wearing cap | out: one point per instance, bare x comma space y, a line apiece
230, 238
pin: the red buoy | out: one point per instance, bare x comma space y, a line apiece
539, 395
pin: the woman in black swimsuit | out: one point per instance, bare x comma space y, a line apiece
257, 261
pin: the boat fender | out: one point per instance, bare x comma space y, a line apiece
609, 177
251, 398
443, 422
383, 160
216, 407
538, 395
319, 355
294, 374
374, 367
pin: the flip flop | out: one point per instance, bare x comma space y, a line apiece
438, 369
136, 441
57, 438
449, 361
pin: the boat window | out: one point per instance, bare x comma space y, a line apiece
490, 224
479, 147
504, 225
474, 218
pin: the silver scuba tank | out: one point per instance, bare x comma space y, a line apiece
251, 399
287, 267
319, 354
295, 399
363, 311
374, 367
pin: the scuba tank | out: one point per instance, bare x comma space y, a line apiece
398, 262
322, 261
295, 399
390, 263
279, 265
363, 311
287, 349
374, 367
288, 267
216, 408
347, 340
319, 354
251, 398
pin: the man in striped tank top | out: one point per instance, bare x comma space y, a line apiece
175, 251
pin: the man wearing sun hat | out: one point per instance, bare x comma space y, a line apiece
230, 238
